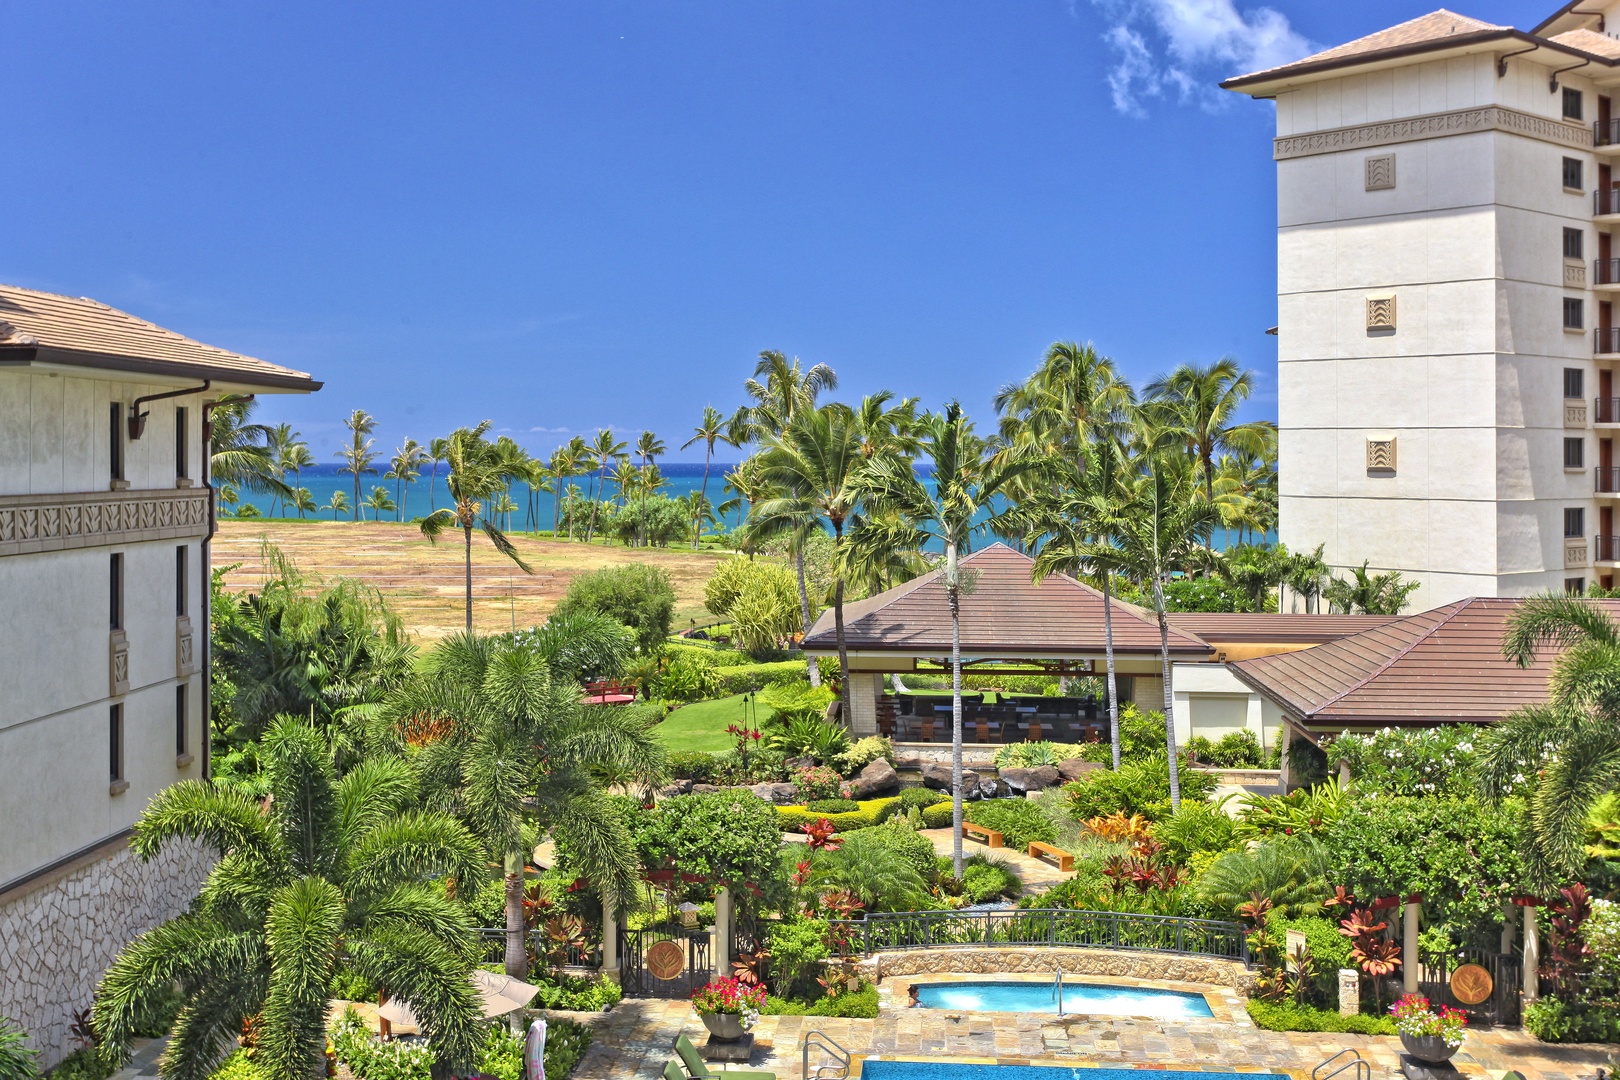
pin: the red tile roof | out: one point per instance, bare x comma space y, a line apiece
1285, 628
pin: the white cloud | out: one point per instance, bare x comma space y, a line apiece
1183, 47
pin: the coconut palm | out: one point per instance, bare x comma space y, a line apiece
326, 869
886, 428
476, 477
711, 429
379, 502
605, 449
303, 501
649, 448
513, 749
1565, 754
358, 455
405, 468
965, 480
1369, 594
238, 452
297, 458
436, 451
1197, 406
280, 440
338, 505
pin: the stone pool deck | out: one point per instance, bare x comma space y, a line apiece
635, 1040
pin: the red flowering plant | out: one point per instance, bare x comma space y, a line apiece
820, 835
817, 782
1414, 1017
730, 996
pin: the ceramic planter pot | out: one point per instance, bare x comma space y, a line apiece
727, 1027
1430, 1048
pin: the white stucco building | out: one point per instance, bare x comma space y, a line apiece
105, 518
1447, 339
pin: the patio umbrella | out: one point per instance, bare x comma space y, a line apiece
500, 993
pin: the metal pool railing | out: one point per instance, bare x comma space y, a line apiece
1044, 926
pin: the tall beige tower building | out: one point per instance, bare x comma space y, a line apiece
1448, 191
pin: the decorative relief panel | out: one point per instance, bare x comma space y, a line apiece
1574, 275
30, 523
185, 648
1434, 125
1381, 172
1381, 312
1574, 552
1574, 412
1381, 454
118, 663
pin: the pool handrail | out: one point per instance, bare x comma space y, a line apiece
837, 1071
1360, 1068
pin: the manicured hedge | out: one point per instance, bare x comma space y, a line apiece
745, 677
1286, 1016
871, 812
940, 815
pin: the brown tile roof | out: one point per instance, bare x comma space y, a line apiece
1444, 665
46, 328
1005, 614
1286, 628
1436, 30
1589, 41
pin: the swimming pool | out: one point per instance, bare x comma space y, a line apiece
951, 1070
1078, 997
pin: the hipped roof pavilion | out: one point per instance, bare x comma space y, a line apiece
1007, 619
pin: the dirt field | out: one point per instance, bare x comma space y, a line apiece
424, 582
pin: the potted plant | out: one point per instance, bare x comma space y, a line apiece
728, 1007
1429, 1035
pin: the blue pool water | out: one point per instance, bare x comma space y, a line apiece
1078, 997
949, 1070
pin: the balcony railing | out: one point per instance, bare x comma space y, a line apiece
1606, 132
1606, 410
1606, 339
1606, 480
1606, 201
1606, 548
1606, 272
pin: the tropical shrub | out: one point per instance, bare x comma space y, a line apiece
796, 735
577, 993
1141, 737
723, 837
898, 836
371, 1058
1290, 872
759, 597
1198, 827
798, 945
744, 678
1205, 594
1555, 1020
881, 877
1019, 821
1329, 951
18, 1060
797, 699
920, 797
940, 815
688, 677
857, 1004
1413, 762
636, 595
696, 765
239, 1066
1030, 755
985, 878
502, 1056
1234, 750
871, 812
1140, 786
1287, 1016
832, 806
83, 1064
862, 753
580, 646
1306, 812
817, 783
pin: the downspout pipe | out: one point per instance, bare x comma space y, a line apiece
137, 418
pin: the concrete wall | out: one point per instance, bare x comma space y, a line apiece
1212, 702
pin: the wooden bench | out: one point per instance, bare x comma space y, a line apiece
1038, 850
609, 692
987, 837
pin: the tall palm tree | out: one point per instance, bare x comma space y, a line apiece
436, 451
358, 455
406, 466
280, 440
1565, 754
297, 458
1199, 405
649, 448
887, 428
239, 453
512, 746
303, 501
325, 869
1158, 531
814, 467
604, 449
966, 478
339, 504
476, 477
379, 502
711, 429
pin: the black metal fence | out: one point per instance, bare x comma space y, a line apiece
492, 940
1501, 1009
1045, 926
696, 965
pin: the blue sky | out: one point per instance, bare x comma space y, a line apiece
567, 216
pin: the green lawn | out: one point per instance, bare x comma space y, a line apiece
702, 725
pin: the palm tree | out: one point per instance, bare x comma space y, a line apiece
406, 466
436, 451
475, 478
1563, 755
513, 745
1157, 531
379, 502
604, 450
325, 869
1305, 574
338, 505
239, 453
1369, 594
358, 455
649, 448
280, 440
1198, 405
303, 501
887, 428
298, 458
711, 429
814, 466
965, 480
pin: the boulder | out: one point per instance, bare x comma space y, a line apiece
1015, 778
991, 787
678, 787
1074, 768
938, 776
1043, 777
779, 794
878, 778
793, 764
705, 789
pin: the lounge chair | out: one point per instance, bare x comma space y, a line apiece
699, 1069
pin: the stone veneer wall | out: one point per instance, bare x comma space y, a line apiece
1155, 966
58, 935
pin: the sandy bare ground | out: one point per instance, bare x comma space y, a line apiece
424, 582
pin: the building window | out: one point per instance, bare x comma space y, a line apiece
1574, 383
115, 597
1572, 174
1574, 244
115, 742
180, 413
181, 559
180, 742
1575, 586
1574, 313
1575, 453
1572, 103
1574, 521
115, 442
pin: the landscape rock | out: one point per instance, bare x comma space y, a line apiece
1043, 777
794, 763
1072, 769
878, 778
937, 775
705, 789
991, 787
1016, 778
678, 787
779, 794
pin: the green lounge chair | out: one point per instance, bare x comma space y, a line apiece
699, 1069
672, 1070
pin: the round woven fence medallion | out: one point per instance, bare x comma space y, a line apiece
666, 960
1471, 984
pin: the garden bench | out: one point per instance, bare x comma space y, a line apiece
987, 837
1038, 850
609, 692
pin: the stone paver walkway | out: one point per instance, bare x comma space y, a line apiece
634, 1040
1038, 874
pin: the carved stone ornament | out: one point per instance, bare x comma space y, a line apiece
1381, 454
32, 523
1381, 172
1433, 126
1381, 312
